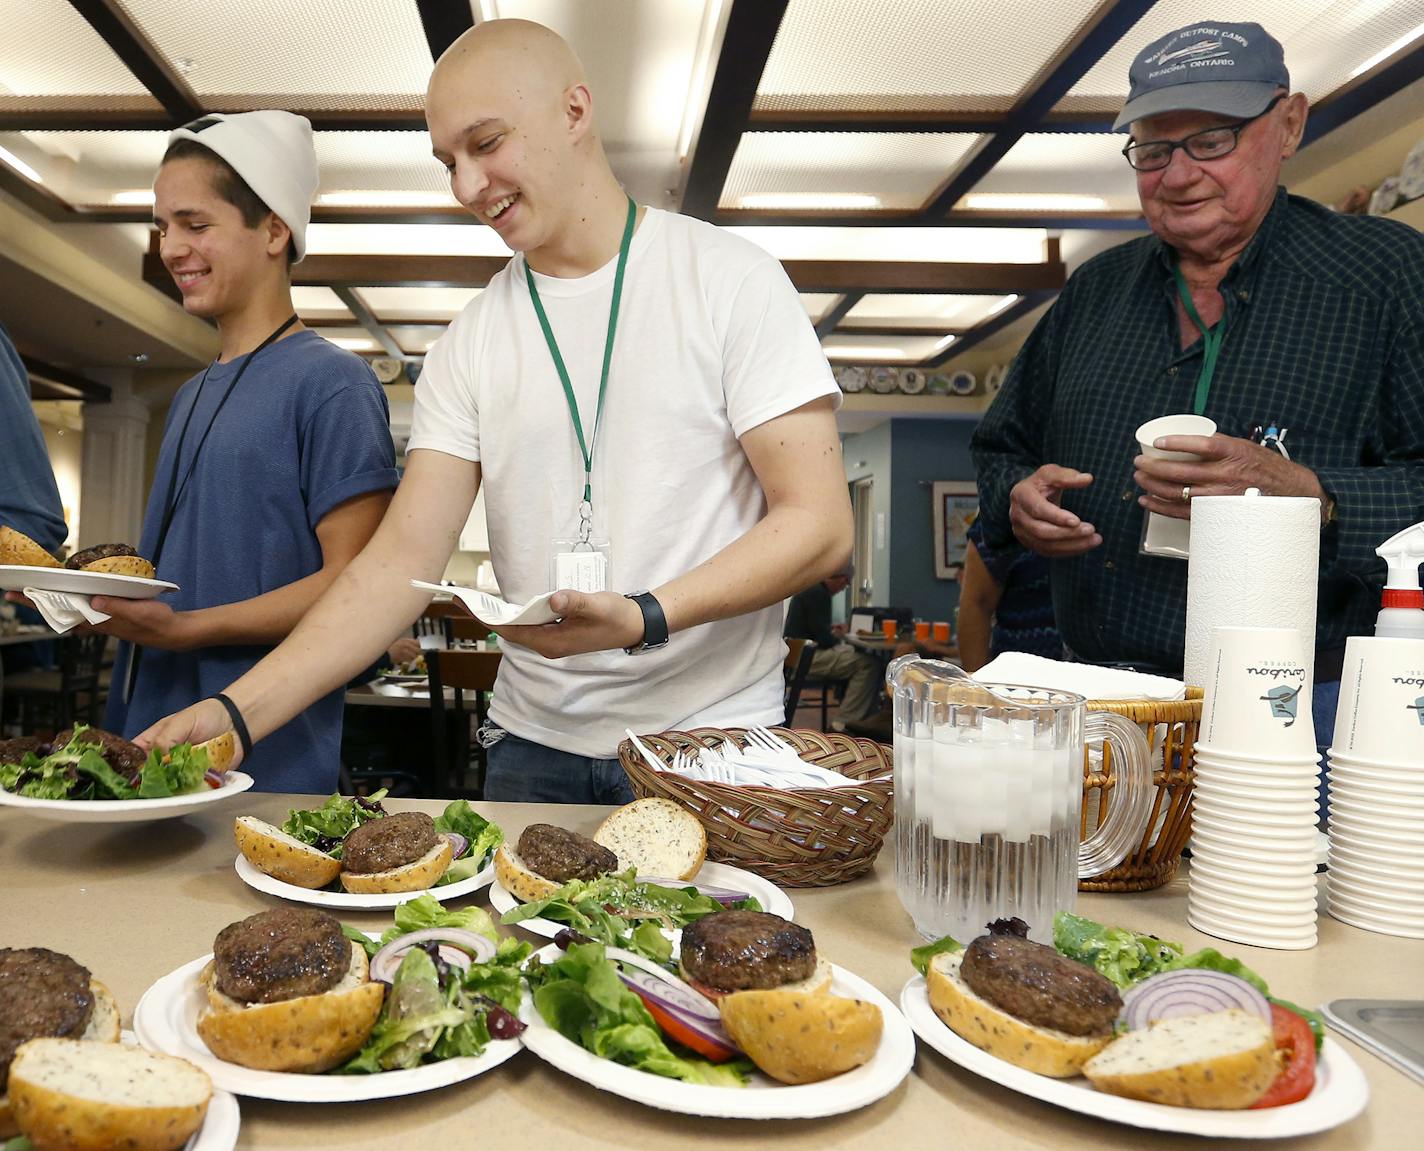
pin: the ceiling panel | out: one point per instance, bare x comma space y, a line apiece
373, 162
933, 245
912, 55
51, 58
90, 167
392, 305
316, 303
1084, 166
352, 339
415, 339
900, 169
1324, 41
884, 349
938, 313
328, 54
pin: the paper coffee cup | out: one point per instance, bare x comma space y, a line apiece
1381, 709
1257, 697
1182, 425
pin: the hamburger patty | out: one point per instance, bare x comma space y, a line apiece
381, 844
747, 951
102, 551
42, 994
13, 750
563, 855
280, 954
1034, 983
123, 756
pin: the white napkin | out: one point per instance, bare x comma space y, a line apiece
1085, 679
63, 610
493, 610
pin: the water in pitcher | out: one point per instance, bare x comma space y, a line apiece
986, 817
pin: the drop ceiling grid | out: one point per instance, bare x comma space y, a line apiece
903, 169
48, 53
938, 313
87, 168
319, 54
912, 55
1065, 163
379, 161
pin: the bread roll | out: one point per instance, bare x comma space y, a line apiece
657, 837
271, 850
75, 1096
800, 1037
973, 1018
416, 876
103, 1027
122, 565
518, 878
18, 548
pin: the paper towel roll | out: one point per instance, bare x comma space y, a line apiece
1255, 562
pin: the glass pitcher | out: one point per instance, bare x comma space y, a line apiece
988, 791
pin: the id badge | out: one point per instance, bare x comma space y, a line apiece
580, 565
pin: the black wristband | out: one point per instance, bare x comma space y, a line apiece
239, 725
655, 628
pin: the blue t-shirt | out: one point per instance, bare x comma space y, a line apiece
29, 499
306, 429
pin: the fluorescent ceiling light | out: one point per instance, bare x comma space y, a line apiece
929, 245
944, 343
11, 160
810, 201
697, 91
1386, 53
866, 352
352, 343
1033, 202
1007, 301
405, 239
387, 199
143, 196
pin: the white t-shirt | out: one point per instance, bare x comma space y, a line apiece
712, 341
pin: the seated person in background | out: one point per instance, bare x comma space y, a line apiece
1005, 604
809, 617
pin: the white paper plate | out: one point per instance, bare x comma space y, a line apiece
1341, 1090
762, 1098
127, 810
166, 1020
220, 1125
17, 577
350, 900
771, 897
402, 677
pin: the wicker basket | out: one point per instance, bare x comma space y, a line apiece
1171, 731
801, 837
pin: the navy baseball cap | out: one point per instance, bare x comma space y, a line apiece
1234, 69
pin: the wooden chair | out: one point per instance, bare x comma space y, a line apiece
66, 695
798, 662
432, 621
463, 671
464, 629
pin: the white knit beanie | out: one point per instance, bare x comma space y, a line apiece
273, 152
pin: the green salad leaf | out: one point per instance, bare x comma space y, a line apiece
177, 771
78, 770
461, 819
920, 957
335, 819
580, 996
425, 911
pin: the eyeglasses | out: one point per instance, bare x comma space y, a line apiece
1208, 144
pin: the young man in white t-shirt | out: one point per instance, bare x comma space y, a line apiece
713, 478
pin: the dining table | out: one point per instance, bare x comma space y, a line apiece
133, 902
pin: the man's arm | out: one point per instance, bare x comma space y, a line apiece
978, 597
265, 619
804, 536
364, 609
29, 498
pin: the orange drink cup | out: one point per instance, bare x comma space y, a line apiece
890, 627
941, 631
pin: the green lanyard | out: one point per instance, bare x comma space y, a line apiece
1211, 343
586, 447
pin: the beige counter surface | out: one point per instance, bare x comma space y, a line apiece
133, 902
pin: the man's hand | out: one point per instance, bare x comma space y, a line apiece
403, 650
146, 622
1040, 524
1228, 466
599, 621
195, 724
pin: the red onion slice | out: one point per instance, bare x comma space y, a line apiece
1189, 991
691, 1002
458, 947
724, 895
458, 844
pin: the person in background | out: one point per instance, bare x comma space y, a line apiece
1246, 304
1005, 604
809, 617
609, 321
277, 462
29, 497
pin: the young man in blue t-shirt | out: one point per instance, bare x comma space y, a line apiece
277, 462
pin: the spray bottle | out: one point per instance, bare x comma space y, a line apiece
1402, 607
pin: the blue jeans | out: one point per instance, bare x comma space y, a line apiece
519, 771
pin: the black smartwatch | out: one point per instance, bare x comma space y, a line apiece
655, 628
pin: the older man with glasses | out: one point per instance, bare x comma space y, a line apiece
1266, 312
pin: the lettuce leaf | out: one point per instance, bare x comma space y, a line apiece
920, 957
334, 819
1121, 955
581, 997
426, 911
459, 817
178, 771
411, 1021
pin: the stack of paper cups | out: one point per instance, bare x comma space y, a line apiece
1252, 878
1376, 877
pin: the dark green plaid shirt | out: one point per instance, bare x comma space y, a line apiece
1324, 336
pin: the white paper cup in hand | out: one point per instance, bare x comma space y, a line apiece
1256, 699
1380, 716
1183, 425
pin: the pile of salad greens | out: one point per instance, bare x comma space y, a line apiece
581, 997
1128, 957
78, 770
433, 1010
621, 911
327, 827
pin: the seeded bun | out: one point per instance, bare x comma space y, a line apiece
518, 878
416, 876
17, 548
122, 565
271, 850
657, 837
800, 1037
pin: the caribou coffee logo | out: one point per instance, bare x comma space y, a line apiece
1283, 702
1418, 708
1283, 698
1409, 680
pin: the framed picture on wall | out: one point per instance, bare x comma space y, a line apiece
956, 503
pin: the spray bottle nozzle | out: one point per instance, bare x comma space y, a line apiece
1403, 552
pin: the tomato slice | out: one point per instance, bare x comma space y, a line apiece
675, 1029
1296, 1044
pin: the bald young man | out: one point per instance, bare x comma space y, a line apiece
707, 481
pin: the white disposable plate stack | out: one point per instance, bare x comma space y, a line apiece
1376, 878
1252, 878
